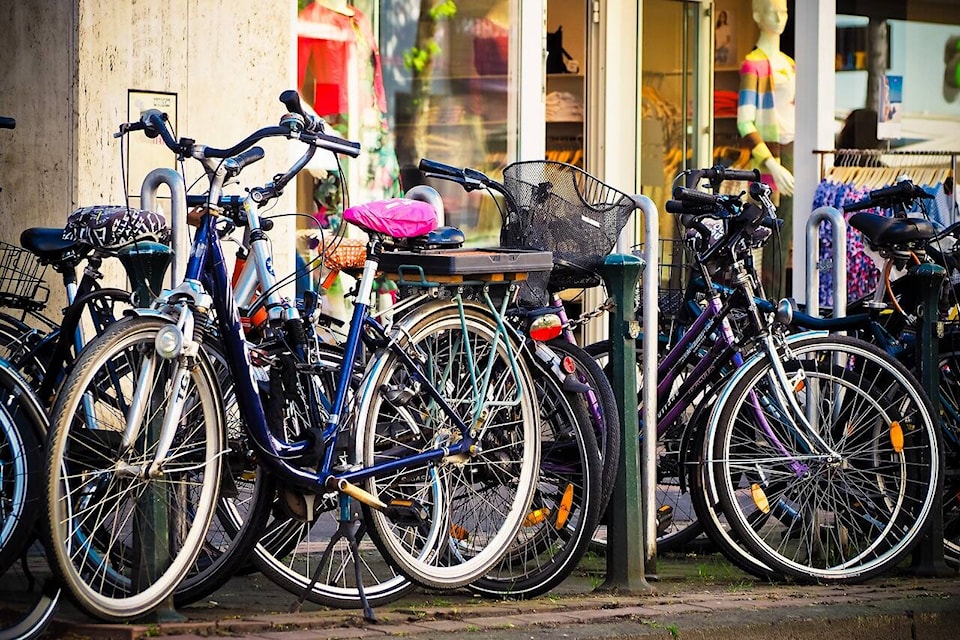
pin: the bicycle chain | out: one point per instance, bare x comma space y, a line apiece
608, 305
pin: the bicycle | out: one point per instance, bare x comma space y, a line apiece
425, 473
784, 422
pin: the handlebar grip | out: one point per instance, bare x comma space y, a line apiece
695, 197
248, 157
866, 203
675, 206
438, 168
902, 190
7, 123
337, 145
742, 174
724, 173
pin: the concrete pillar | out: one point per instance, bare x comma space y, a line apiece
816, 22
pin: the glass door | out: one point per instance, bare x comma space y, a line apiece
676, 90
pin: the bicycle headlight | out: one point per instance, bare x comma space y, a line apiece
169, 342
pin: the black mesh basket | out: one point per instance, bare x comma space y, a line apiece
21, 279
673, 269
563, 209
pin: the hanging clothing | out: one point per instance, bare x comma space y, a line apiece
332, 47
862, 274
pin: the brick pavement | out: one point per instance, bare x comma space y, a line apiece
695, 598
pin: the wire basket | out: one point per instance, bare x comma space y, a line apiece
673, 270
21, 279
563, 209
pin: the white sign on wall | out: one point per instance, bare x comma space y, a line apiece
146, 154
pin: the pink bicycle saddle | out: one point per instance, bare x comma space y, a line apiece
397, 217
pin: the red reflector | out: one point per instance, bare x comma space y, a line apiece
542, 334
569, 364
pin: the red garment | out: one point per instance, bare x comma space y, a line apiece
325, 42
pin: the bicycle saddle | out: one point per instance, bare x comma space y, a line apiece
886, 232
396, 217
50, 247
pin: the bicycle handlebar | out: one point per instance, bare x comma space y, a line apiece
7, 123
902, 193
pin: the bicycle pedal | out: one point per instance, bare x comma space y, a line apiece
664, 519
406, 513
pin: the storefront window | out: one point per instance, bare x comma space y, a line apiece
409, 79
447, 80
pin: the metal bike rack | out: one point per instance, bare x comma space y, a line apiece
838, 265
154, 552
178, 215
632, 529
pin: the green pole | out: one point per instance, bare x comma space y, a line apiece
928, 556
625, 549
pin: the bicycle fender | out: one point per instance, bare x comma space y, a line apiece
724, 394
151, 313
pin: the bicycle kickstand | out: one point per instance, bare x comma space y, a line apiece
345, 530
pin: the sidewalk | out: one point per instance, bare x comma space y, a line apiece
695, 597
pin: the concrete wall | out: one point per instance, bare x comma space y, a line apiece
66, 71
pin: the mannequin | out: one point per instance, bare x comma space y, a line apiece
766, 122
768, 73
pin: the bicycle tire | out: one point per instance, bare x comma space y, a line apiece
83, 552
23, 427
605, 416
851, 507
457, 542
566, 506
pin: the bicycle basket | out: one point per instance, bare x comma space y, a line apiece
673, 269
563, 209
21, 278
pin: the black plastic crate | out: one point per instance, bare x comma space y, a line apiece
467, 262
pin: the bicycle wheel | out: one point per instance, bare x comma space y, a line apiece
846, 498
295, 549
566, 506
683, 525
118, 541
602, 408
474, 503
21, 459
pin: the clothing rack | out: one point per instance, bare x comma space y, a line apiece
883, 167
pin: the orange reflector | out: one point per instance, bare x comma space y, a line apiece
535, 517
546, 327
458, 533
896, 436
800, 386
566, 503
759, 498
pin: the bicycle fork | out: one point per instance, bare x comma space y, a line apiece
175, 343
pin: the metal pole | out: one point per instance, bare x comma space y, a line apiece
838, 264
178, 215
651, 311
